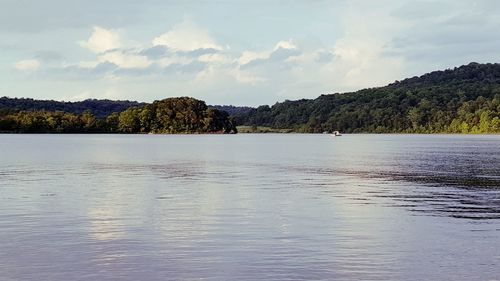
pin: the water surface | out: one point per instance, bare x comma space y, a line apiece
249, 207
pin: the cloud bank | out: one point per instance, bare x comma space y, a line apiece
335, 47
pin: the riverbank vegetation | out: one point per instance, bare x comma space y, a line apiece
461, 100
168, 116
465, 99
261, 130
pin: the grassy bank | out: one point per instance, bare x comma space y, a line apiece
261, 129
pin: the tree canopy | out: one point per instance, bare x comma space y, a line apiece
460, 100
100, 108
168, 116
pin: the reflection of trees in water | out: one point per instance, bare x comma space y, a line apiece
446, 194
437, 193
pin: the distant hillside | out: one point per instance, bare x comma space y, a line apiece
460, 100
233, 110
100, 108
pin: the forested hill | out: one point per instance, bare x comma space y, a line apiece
232, 110
100, 108
465, 99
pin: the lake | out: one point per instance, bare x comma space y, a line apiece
249, 207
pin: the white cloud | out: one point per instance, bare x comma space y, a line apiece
174, 59
187, 36
102, 40
78, 97
110, 93
27, 65
248, 56
215, 58
125, 60
246, 78
287, 69
88, 64
360, 59
285, 45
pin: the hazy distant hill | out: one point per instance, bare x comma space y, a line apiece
233, 110
100, 108
460, 100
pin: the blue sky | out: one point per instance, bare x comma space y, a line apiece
233, 52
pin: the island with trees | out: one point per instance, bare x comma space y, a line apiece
182, 115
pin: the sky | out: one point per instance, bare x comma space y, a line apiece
234, 52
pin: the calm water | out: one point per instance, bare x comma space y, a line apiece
249, 207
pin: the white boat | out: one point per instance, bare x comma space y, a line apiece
336, 134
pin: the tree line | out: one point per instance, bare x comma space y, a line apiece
100, 108
168, 116
460, 100
465, 99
